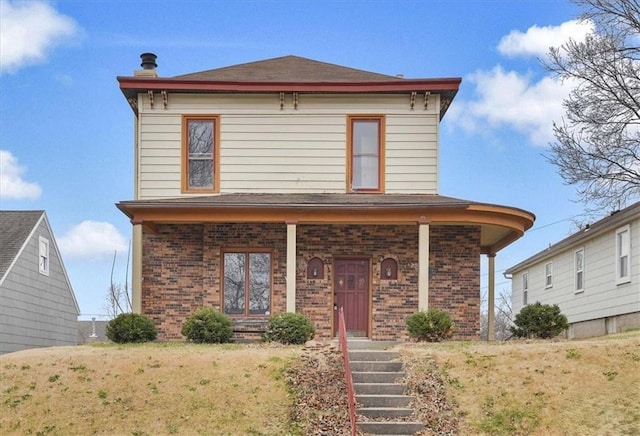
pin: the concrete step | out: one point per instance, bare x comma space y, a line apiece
376, 366
376, 376
390, 428
379, 388
373, 355
367, 344
371, 400
384, 412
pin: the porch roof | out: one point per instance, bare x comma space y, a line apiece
500, 225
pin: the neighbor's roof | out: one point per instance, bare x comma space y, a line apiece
290, 74
615, 219
15, 228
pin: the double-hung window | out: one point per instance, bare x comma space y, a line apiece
365, 155
579, 269
200, 153
43, 256
548, 275
247, 283
623, 250
525, 288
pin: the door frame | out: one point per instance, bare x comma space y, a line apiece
369, 298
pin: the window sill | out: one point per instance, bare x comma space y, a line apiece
579, 291
623, 281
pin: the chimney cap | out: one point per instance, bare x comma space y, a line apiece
148, 61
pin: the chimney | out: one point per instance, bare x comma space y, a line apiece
148, 65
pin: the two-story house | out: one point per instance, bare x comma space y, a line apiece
593, 275
292, 185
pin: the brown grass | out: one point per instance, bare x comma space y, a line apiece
588, 387
150, 389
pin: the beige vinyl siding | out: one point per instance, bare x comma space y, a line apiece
265, 149
601, 297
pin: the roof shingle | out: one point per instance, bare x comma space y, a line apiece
15, 227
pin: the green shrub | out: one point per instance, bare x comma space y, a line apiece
289, 328
539, 321
432, 325
209, 326
131, 327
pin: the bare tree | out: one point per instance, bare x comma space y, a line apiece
597, 144
118, 299
503, 316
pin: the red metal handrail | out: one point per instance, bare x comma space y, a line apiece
351, 397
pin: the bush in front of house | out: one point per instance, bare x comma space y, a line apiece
289, 328
539, 321
131, 327
208, 326
433, 325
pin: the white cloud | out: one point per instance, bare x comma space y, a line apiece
511, 99
92, 239
536, 41
12, 186
28, 30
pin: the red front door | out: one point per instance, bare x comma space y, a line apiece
351, 292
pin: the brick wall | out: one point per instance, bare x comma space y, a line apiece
181, 272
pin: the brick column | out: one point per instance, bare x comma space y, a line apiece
491, 316
291, 266
136, 268
423, 264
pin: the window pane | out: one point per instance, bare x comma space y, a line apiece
365, 151
259, 283
200, 150
200, 173
579, 280
579, 260
624, 266
234, 283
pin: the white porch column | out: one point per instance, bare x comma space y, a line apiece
491, 316
423, 264
136, 269
291, 266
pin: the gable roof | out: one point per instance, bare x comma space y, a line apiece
288, 69
615, 219
287, 74
15, 228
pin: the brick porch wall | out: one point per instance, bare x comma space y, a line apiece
454, 285
181, 272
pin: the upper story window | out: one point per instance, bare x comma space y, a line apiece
525, 288
579, 269
247, 283
365, 153
548, 275
43, 256
200, 153
623, 250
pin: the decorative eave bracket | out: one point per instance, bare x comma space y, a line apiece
165, 98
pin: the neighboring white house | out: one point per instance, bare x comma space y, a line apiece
593, 276
37, 304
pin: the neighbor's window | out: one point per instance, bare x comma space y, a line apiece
579, 266
525, 288
623, 249
200, 151
365, 168
43, 256
548, 275
247, 283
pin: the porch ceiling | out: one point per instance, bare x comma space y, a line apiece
500, 225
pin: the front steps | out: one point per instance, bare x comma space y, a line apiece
383, 407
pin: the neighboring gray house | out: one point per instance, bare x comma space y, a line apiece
37, 304
592, 275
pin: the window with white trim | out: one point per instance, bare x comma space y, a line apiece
525, 288
623, 250
43, 256
548, 275
579, 269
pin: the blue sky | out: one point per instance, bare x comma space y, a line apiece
66, 131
